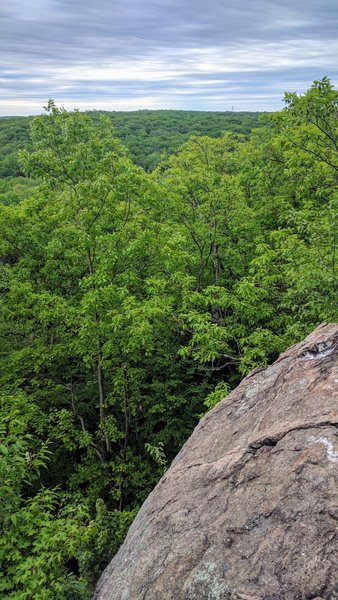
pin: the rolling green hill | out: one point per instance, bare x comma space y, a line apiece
146, 133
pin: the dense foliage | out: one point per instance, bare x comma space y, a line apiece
147, 134
131, 303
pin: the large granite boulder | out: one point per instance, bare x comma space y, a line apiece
249, 508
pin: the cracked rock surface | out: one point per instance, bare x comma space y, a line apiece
249, 508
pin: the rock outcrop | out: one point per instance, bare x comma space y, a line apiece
249, 508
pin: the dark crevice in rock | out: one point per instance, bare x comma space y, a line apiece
269, 442
254, 447
170, 501
320, 350
251, 524
272, 441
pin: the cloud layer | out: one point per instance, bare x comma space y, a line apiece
190, 54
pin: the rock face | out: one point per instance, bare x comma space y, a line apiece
249, 508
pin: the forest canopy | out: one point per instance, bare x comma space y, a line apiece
134, 297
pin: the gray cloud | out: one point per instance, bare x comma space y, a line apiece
165, 53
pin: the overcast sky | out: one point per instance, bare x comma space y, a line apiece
181, 54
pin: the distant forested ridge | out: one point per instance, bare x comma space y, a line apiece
146, 133
149, 133
134, 297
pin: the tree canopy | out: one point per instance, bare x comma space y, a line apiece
132, 302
